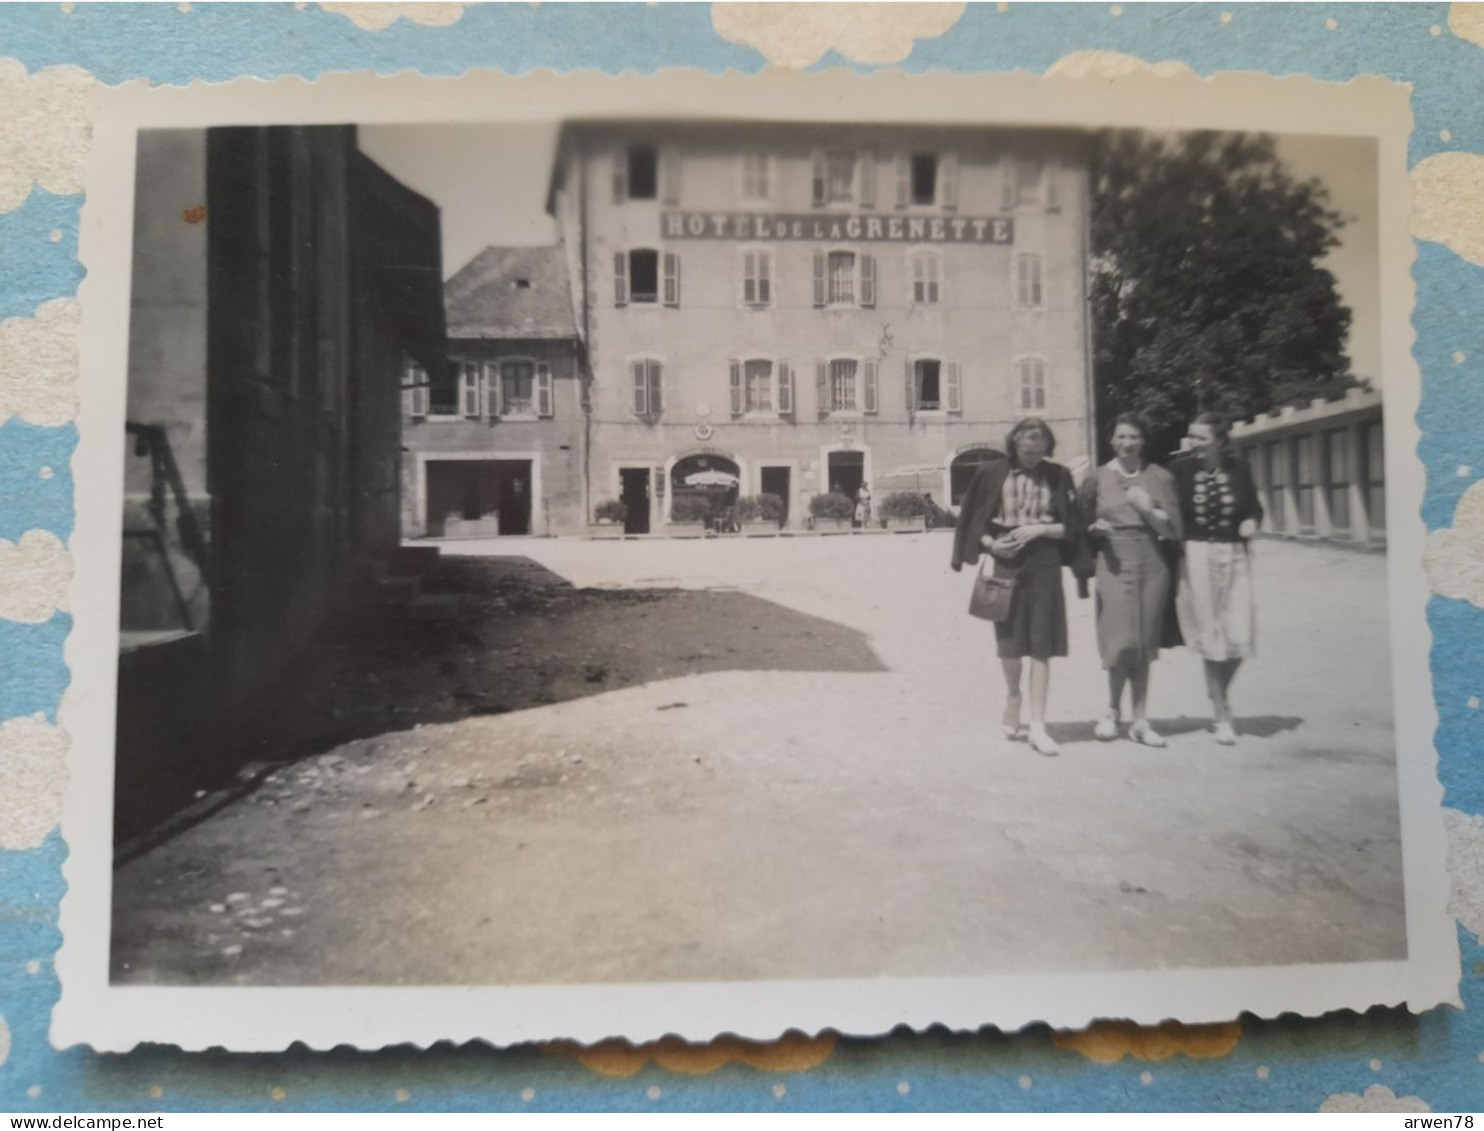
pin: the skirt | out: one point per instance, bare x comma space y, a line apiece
1037, 624
1132, 595
1218, 616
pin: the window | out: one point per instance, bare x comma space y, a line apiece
927, 391
1027, 180
1337, 466
839, 177
415, 390
517, 388
647, 376
927, 267
470, 389
842, 396
924, 178
643, 173
843, 278
522, 284
757, 278
755, 176
757, 386
643, 275
1031, 372
1028, 287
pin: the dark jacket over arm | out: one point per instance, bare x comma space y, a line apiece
981, 501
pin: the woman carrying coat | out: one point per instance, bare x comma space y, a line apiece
1022, 511
1220, 512
1131, 517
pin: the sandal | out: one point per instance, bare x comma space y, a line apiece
1106, 729
1042, 743
1144, 734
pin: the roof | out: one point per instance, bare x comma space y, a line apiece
485, 299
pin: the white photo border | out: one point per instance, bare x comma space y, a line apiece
115, 1018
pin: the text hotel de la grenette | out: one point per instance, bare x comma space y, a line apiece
912, 229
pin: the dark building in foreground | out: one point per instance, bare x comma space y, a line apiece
494, 447
281, 282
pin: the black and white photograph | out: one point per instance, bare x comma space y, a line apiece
597, 545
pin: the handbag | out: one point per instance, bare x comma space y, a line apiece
990, 598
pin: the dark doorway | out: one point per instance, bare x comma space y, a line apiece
961, 471
775, 481
847, 472
513, 495
635, 496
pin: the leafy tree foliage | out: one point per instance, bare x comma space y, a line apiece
1207, 291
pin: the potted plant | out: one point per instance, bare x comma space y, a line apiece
831, 513
688, 515
905, 511
758, 514
609, 517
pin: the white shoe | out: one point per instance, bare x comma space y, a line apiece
1106, 729
1141, 732
1225, 734
1042, 743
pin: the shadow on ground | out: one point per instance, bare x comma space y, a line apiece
1254, 726
525, 638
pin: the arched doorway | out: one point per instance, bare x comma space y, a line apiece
965, 463
713, 478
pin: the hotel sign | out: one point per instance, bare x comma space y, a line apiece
816, 228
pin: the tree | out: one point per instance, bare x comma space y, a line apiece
1207, 291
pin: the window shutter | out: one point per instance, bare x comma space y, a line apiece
670, 175
954, 399
1007, 184
672, 278
492, 393
819, 179
868, 280
620, 175
822, 386
1052, 187
641, 389
867, 194
819, 279
904, 180
749, 287
785, 390
910, 384
736, 387
656, 388
620, 278
868, 393
948, 181
544, 398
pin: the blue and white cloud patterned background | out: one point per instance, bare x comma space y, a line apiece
49, 56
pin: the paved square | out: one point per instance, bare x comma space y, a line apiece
805, 824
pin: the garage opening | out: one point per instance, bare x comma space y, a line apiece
478, 498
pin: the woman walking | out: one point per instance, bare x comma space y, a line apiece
1131, 516
1219, 512
863, 505
1022, 511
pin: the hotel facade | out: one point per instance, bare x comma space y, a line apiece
805, 308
